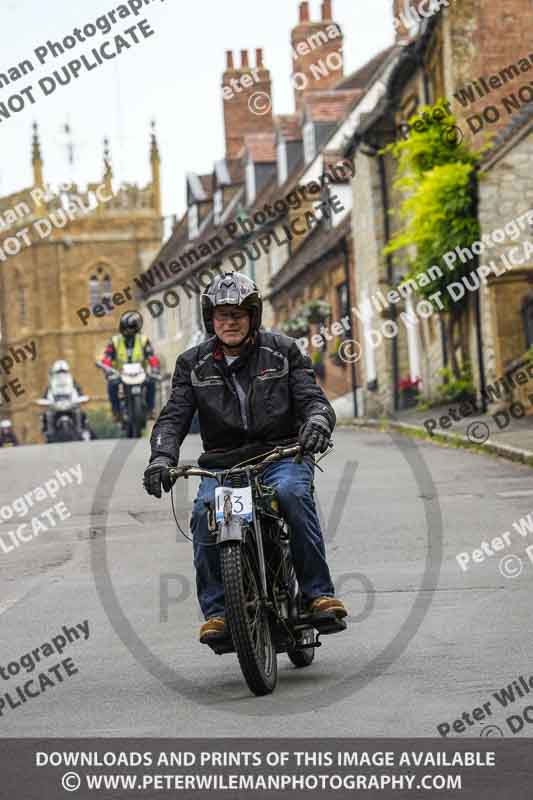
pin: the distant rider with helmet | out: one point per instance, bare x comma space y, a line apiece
61, 369
7, 434
130, 346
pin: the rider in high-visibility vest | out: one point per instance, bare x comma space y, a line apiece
130, 346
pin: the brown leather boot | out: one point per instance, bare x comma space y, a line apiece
213, 630
324, 605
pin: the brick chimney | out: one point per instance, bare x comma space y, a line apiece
247, 98
316, 51
490, 44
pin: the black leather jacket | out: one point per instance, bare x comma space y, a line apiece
260, 400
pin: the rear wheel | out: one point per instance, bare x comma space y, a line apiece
247, 618
299, 657
303, 658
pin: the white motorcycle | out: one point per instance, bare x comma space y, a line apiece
64, 415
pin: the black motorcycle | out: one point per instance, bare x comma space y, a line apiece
263, 606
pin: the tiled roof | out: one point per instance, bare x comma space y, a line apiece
362, 76
518, 123
207, 184
316, 246
330, 106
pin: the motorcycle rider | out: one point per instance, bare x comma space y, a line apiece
7, 434
130, 346
58, 368
253, 390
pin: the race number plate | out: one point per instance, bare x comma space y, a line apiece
241, 502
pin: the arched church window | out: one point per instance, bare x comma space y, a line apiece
99, 287
94, 290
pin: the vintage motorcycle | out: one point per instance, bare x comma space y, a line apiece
132, 396
64, 415
263, 606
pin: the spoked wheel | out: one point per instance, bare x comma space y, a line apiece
248, 620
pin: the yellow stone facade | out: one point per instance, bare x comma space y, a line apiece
109, 237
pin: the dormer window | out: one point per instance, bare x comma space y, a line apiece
218, 206
250, 182
283, 172
309, 142
192, 218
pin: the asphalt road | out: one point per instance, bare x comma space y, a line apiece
426, 641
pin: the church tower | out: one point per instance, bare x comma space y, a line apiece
62, 250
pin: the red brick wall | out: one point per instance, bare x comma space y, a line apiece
326, 74
486, 37
239, 116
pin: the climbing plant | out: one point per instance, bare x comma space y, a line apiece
437, 175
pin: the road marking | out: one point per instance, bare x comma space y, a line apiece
7, 604
516, 493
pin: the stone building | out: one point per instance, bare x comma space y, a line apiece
476, 56
63, 251
254, 201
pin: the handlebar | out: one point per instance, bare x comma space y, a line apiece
275, 455
111, 372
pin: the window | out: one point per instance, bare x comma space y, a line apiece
192, 218
527, 317
218, 206
282, 162
309, 142
106, 287
94, 291
343, 302
161, 327
100, 288
250, 182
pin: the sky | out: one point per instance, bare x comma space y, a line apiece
174, 77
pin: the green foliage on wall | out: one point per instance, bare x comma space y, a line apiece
437, 175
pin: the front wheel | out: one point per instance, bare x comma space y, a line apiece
136, 421
247, 617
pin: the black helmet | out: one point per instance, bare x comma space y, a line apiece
131, 323
234, 289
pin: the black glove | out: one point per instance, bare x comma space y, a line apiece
156, 475
315, 434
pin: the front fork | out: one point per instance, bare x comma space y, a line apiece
232, 530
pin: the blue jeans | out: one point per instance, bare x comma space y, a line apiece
293, 484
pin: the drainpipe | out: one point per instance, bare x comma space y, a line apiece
390, 275
346, 256
443, 337
479, 333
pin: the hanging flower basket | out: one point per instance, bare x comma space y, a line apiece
409, 392
297, 327
317, 311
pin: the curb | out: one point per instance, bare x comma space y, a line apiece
515, 454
